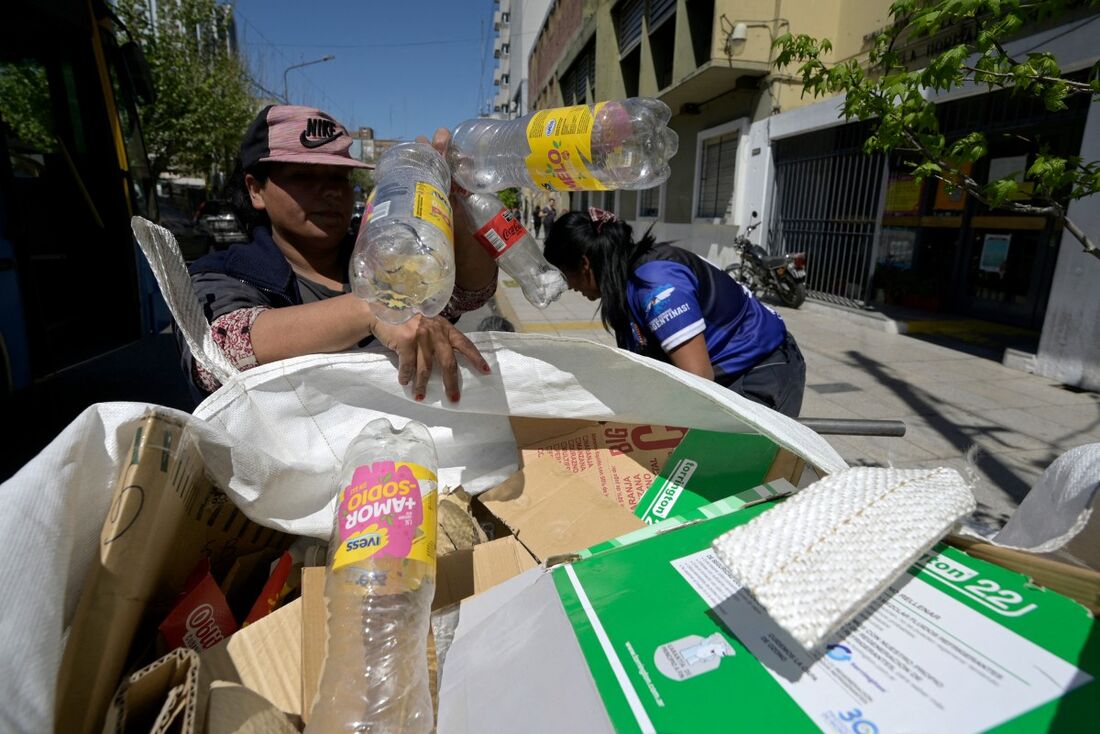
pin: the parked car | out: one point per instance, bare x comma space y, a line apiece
217, 219
192, 239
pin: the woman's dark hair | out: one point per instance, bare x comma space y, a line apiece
611, 252
237, 194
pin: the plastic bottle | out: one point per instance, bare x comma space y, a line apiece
610, 145
509, 243
403, 261
379, 586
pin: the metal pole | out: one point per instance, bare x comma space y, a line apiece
854, 426
286, 95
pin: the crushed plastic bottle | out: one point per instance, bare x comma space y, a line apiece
610, 145
509, 243
403, 261
379, 586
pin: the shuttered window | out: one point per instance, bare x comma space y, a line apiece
580, 75
658, 12
628, 24
716, 172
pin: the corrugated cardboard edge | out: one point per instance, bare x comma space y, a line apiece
265, 657
313, 634
168, 694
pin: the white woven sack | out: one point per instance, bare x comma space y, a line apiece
274, 437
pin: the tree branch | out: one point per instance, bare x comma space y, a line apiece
975, 189
1075, 87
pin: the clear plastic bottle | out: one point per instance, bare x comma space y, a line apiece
609, 145
403, 261
379, 586
509, 243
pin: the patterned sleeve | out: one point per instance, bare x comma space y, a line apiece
233, 333
463, 300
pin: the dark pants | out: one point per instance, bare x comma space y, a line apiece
777, 381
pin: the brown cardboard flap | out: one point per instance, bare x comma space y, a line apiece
462, 574
552, 511
1077, 582
235, 709
314, 632
786, 466
169, 694
620, 459
164, 516
266, 657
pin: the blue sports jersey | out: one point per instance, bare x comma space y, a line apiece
674, 295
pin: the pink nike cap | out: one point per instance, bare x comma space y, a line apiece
295, 134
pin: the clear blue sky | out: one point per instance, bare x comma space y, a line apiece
403, 67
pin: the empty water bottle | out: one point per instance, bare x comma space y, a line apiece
379, 586
403, 261
509, 243
611, 145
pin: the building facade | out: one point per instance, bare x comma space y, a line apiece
753, 147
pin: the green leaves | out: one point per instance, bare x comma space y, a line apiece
203, 103
894, 93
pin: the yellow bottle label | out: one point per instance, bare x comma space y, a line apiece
388, 511
433, 206
561, 149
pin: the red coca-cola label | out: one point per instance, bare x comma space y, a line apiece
500, 233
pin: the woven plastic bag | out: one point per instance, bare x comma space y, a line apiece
273, 437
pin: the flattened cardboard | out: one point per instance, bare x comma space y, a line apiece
551, 511
164, 516
266, 657
620, 459
464, 573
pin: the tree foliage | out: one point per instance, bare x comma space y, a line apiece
203, 105
884, 88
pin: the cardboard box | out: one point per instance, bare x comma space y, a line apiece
708, 466
655, 636
552, 511
165, 516
618, 458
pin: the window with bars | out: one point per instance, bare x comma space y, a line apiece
649, 203
580, 75
657, 12
717, 166
628, 24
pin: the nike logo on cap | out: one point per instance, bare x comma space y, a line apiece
318, 132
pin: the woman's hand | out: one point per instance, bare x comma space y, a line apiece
420, 343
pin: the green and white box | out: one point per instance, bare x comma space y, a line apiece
656, 636
706, 467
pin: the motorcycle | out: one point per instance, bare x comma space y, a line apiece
759, 272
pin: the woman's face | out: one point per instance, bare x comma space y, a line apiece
583, 281
306, 203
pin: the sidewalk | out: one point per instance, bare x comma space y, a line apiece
999, 427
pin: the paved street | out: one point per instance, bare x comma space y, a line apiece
998, 426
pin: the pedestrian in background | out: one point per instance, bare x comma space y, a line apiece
286, 292
670, 304
536, 217
549, 214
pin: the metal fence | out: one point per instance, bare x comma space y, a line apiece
826, 204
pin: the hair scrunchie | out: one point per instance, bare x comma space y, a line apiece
601, 217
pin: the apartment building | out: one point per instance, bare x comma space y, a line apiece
753, 146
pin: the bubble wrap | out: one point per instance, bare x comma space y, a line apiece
814, 561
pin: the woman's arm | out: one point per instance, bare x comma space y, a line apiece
332, 325
692, 356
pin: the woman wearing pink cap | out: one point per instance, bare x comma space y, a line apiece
286, 292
